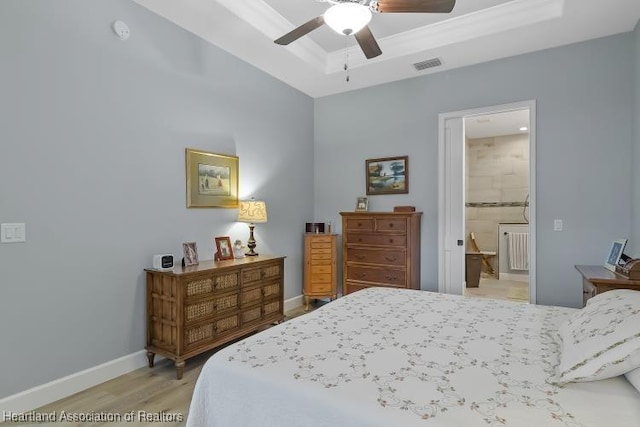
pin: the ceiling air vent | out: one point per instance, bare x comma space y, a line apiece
429, 63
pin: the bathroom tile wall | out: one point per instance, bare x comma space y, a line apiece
497, 171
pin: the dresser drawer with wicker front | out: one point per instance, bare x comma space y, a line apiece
203, 285
195, 309
251, 276
199, 310
217, 328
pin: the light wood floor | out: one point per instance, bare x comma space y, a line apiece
153, 391
491, 287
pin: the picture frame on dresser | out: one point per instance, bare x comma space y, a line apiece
190, 253
388, 175
224, 250
362, 204
617, 247
212, 179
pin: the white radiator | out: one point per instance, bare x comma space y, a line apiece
518, 247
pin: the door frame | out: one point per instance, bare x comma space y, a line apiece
444, 177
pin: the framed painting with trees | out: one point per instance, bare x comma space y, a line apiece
389, 175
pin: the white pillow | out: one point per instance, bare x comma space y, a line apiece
634, 378
603, 339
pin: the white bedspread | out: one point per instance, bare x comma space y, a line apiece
387, 358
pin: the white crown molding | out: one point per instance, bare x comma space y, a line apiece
497, 19
500, 18
265, 19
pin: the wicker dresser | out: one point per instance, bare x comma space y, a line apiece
320, 269
194, 309
380, 249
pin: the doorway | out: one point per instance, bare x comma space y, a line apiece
487, 202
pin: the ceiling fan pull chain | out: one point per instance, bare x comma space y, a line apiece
346, 59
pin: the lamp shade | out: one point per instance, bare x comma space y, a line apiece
252, 211
347, 18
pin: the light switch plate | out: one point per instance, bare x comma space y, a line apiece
557, 225
13, 232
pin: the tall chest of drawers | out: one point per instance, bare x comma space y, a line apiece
320, 266
380, 249
194, 309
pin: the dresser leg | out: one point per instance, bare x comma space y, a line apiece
334, 297
179, 369
150, 356
306, 303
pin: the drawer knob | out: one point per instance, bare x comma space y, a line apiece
391, 278
390, 240
360, 256
359, 224
359, 239
391, 258
360, 275
391, 225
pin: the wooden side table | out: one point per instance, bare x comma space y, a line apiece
596, 279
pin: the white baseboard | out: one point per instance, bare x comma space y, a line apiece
294, 302
524, 277
44, 394
55, 390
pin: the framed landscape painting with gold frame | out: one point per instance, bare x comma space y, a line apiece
212, 180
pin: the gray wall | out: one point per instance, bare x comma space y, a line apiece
634, 242
583, 149
92, 141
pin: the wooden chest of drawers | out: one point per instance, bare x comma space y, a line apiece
320, 269
194, 309
380, 249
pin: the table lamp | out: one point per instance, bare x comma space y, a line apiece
252, 211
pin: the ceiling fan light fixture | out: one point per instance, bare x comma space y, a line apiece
347, 18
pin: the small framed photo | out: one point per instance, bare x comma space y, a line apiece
190, 253
224, 249
615, 253
362, 204
389, 175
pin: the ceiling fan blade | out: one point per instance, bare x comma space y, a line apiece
368, 43
415, 6
302, 30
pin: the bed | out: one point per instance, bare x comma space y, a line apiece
386, 357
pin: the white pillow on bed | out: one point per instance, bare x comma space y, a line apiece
634, 378
603, 339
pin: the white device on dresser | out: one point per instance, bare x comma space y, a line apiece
163, 261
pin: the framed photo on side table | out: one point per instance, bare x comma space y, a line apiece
224, 249
615, 253
190, 253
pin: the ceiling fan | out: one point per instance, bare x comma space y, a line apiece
348, 17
